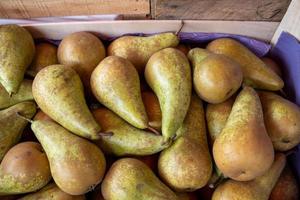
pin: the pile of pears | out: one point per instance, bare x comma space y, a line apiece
142, 118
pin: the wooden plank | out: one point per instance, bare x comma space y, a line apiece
249, 10
49, 8
259, 30
291, 22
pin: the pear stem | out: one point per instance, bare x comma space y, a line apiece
106, 134
25, 118
217, 182
153, 130
180, 28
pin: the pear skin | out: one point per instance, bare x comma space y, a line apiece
16, 51
25, 168
131, 179
270, 63
186, 165
138, 49
216, 117
256, 73
115, 83
12, 126
153, 110
24, 94
168, 73
286, 187
126, 139
243, 150
40, 115
76, 164
82, 51
282, 120
45, 55
59, 93
215, 77
196, 55
51, 192
184, 48
187, 196
258, 189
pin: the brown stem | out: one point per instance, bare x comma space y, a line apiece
153, 130
180, 28
106, 134
25, 118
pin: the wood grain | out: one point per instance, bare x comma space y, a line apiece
291, 22
251, 10
50, 8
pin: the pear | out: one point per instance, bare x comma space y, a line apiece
82, 51
76, 164
59, 93
168, 73
282, 120
138, 49
270, 63
16, 52
115, 83
216, 77
256, 73
186, 165
196, 55
12, 126
153, 110
150, 161
131, 179
187, 196
243, 150
51, 192
126, 139
183, 48
257, 189
25, 168
216, 117
45, 55
40, 115
286, 187
24, 94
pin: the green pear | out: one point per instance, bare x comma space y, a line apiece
138, 49
12, 126
168, 73
131, 179
255, 71
16, 52
282, 120
126, 139
215, 77
258, 189
243, 150
186, 165
24, 168
58, 91
51, 192
45, 55
82, 51
216, 117
115, 83
24, 94
287, 186
76, 164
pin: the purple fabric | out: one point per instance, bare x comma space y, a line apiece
287, 52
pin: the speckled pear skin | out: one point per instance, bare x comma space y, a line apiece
59, 93
24, 169
24, 94
187, 165
16, 52
243, 150
12, 126
256, 73
138, 49
76, 164
126, 140
131, 179
51, 192
168, 73
258, 189
45, 55
116, 84
196, 55
282, 120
